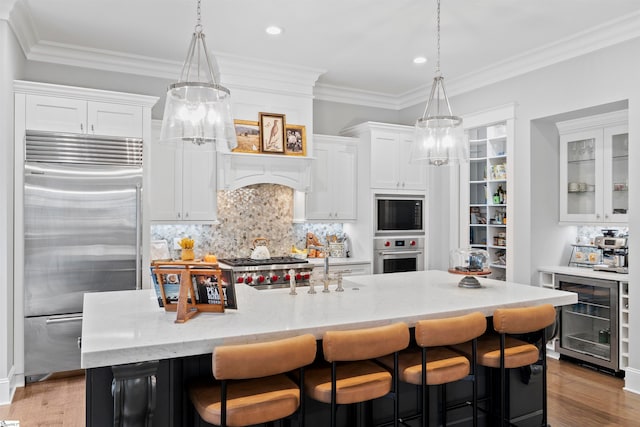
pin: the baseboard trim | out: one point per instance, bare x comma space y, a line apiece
632, 380
8, 387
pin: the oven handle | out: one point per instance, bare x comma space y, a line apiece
384, 253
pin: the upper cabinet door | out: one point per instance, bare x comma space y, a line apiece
56, 114
384, 161
413, 175
616, 173
581, 176
114, 119
199, 189
166, 181
345, 167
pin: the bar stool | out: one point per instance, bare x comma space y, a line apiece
352, 376
252, 387
435, 364
506, 352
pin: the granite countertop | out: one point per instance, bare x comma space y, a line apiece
128, 326
585, 272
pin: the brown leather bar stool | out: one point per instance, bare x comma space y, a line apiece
503, 351
252, 387
435, 364
352, 376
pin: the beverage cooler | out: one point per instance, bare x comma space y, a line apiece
589, 328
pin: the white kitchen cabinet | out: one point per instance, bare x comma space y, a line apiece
333, 179
183, 182
59, 114
391, 166
594, 169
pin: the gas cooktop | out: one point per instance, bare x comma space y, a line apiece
244, 262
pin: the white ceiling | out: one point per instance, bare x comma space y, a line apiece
362, 46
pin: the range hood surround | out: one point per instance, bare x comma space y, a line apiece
241, 170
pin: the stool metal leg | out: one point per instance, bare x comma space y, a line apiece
502, 381
333, 394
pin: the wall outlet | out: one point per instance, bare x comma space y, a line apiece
176, 243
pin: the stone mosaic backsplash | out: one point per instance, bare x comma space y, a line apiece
262, 210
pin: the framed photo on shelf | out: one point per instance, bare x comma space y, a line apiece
248, 136
296, 140
272, 132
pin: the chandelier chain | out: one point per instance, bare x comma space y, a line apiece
199, 17
438, 57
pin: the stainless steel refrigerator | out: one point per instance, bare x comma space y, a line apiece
81, 234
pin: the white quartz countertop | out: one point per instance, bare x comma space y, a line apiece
128, 326
585, 272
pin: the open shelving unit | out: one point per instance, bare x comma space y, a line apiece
488, 156
624, 325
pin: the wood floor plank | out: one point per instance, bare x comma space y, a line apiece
577, 397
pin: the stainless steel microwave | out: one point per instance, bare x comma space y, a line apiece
399, 214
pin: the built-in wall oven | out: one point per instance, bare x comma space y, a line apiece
399, 215
394, 255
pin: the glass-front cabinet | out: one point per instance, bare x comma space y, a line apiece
594, 169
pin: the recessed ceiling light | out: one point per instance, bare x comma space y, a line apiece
419, 60
273, 30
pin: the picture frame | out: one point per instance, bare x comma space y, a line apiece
272, 132
248, 136
295, 140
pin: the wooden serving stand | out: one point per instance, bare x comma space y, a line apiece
187, 307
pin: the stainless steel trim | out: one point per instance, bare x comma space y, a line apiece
63, 319
59, 147
384, 253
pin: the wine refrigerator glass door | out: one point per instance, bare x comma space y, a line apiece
589, 328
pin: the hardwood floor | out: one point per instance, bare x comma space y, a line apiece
55, 402
578, 397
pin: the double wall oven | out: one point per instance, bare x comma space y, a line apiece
399, 237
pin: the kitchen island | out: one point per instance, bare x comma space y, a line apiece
128, 329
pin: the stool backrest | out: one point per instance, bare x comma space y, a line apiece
234, 362
451, 330
362, 344
523, 320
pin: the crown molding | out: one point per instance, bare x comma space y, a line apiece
241, 72
595, 38
62, 91
5, 9
607, 34
345, 95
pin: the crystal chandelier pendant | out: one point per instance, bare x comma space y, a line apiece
197, 108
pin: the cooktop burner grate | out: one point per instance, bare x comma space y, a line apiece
242, 262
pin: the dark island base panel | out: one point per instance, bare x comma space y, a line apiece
134, 390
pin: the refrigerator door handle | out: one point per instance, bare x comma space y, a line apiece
138, 237
64, 319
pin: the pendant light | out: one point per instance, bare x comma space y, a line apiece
198, 108
439, 136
